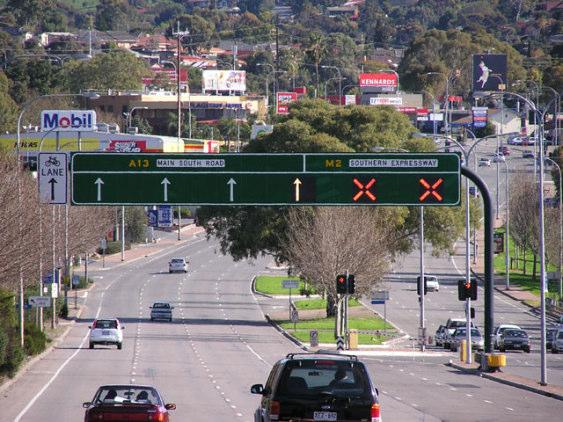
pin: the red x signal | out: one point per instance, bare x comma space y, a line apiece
431, 190
364, 190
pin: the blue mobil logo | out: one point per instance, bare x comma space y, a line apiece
69, 120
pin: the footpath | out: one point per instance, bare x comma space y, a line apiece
77, 297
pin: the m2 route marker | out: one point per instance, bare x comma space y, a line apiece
416, 179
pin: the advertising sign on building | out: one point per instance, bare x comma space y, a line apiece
126, 145
489, 72
68, 120
283, 100
479, 116
378, 82
392, 101
350, 100
224, 80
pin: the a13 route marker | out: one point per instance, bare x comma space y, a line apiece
266, 179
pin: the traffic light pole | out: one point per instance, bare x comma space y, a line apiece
488, 258
422, 284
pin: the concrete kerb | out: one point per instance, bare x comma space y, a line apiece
286, 334
492, 377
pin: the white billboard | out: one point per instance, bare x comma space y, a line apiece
68, 120
224, 80
392, 101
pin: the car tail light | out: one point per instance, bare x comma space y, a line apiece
157, 417
274, 409
375, 412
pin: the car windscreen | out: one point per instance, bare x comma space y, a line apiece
161, 306
105, 324
178, 261
312, 377
455, 324
125, 394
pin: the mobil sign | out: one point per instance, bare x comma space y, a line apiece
68, 120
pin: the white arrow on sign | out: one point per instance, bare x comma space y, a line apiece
297, 184
99, 182
52, 182
231, 184
165, 182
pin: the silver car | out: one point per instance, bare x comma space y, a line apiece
557, 345
459, 334
161, 310
178, 265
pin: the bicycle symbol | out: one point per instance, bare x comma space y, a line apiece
52, 161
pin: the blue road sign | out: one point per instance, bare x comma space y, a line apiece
378, 302
153, 218
165, 216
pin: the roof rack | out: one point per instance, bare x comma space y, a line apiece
322, 352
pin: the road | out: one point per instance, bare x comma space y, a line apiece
218, 345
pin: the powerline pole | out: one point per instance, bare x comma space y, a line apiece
179, 34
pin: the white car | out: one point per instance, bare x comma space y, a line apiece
499, 158
484, 162
178, 265
498, 332
432, 284
106, 331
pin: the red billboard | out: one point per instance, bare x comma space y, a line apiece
283, 101
378, 82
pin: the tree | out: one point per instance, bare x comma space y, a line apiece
8, 107
524, 225
112, 15
116, 70
324, 242
316, 126
27, 12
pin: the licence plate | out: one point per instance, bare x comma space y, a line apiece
105, 332
324, 416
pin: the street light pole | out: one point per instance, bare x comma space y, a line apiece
130, 115
339, 81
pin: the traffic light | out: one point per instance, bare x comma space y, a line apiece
351, 284
467, 289
341, 285
418, 285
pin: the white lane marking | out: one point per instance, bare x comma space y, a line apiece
509, 408
488, 401
63, 365
469, 395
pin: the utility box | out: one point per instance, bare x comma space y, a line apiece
353, 342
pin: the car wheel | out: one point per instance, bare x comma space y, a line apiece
527, 350
501, 349
152, 319
553, 350
119, 346
170, 320
91, 345
170, 271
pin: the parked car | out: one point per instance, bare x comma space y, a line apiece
106, 331
497, 332
161, 310
516, 141
439, 335
432, 284
529, 141
528, 153
477, 341
557, 345
549, 337
503, 150
317, 387
178, 265
499, 158
484, 162
127, 403
473, 191
514, 339
451, 325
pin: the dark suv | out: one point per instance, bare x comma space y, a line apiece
317, 387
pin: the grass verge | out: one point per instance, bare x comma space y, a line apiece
272, 285
325, 327
318, 303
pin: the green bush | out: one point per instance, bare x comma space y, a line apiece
14, 356
63, 311
186, 213
34, 340
114, 247
3, 346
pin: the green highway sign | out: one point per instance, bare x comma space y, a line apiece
266, 179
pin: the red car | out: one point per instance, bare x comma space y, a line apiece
127, 403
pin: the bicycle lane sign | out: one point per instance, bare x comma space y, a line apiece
53, 177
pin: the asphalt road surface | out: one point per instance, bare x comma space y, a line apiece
217, 346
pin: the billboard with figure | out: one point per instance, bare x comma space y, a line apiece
489, 72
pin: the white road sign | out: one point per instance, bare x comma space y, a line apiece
39, 301
290, 284
53, 177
